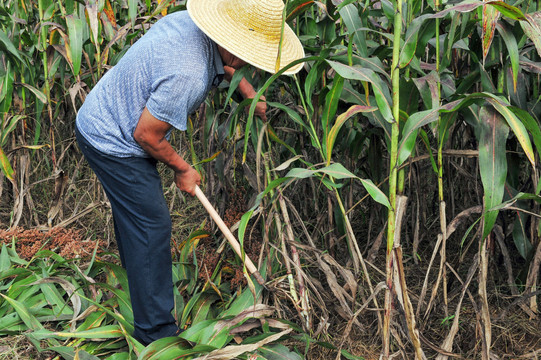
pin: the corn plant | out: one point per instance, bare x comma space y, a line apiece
393, 96
376, 88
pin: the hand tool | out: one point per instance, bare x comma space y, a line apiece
228, 235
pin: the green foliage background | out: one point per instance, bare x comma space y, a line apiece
410, 120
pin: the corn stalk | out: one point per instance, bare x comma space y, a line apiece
391, 219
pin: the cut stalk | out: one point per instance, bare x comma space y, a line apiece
302, 293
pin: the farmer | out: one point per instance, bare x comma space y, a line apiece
124, 125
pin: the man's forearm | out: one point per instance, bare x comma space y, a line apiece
164, 152
150, 135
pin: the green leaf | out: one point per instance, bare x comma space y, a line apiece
376, 193
167, 348
532, 28
188, 308
29, 320
530, 124
103, 332
512, 48
414, 122
70, 353
293, 115
278, 352
8, 47
492, 135
349, 356
132, 10
75, 33
6, 166
350, 15
5, 262
507, 10
516, 125
245, 300
9, 320
312, 79
9, 128
200, 310
490, 19
203, 333
340, 120
338, 171
329, 109
520, 235
409, 47
381, 92
119, 356
39, 94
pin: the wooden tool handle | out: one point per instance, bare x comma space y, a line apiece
228, 235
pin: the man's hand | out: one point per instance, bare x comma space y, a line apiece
150, 134
187, 180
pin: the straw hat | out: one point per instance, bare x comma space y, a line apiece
249, 29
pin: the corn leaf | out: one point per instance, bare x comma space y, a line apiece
338, 171
490, 19
350, 15
75, 33
278, 352
8, 48
512, 49
73, 353
530, 124
329, 109
167, 348
340, 120
381, 92
510, 11
516, 125
7, 170
532, 28
29, 320
132, 10
5, 262
104, 332
492, 135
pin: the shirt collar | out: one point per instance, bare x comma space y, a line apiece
218, 66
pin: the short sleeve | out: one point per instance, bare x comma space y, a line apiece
173, 97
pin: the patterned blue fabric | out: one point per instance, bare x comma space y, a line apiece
170, 70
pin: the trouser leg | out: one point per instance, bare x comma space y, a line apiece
143, 230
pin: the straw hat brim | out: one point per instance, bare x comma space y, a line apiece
251, 46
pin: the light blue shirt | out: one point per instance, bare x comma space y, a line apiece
170, 70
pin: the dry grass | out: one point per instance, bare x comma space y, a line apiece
17, 347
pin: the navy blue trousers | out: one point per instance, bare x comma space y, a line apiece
142, 226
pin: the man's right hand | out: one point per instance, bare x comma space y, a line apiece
187, 180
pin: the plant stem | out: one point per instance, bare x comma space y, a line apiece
395, 78
43, 41
443, 220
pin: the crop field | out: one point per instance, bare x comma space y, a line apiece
391, 200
